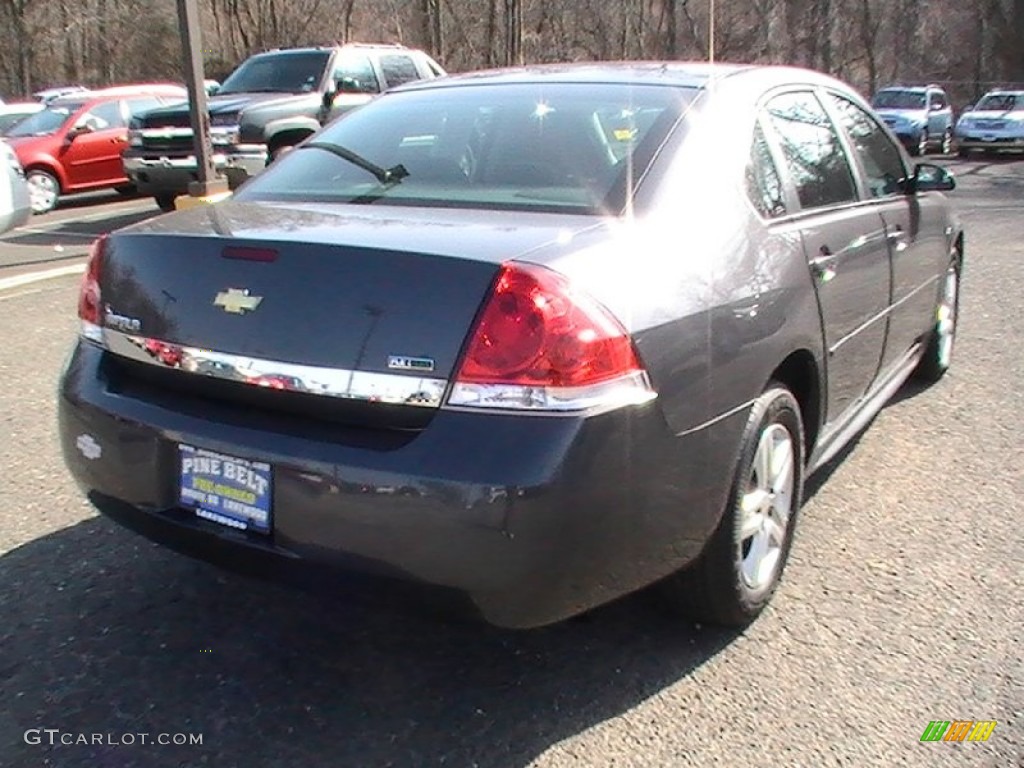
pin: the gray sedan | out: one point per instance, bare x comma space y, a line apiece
15, 206
562, 333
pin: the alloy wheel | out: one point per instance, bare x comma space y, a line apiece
767, 507
43, 191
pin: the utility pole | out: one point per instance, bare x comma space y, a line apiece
210, 182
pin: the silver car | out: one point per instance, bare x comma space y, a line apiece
994, 123
15, 208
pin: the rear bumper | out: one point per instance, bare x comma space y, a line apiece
166, 175
528, 519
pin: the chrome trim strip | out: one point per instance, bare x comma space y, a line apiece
720, 417
884, 313
367, 386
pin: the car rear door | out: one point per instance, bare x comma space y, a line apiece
844, 241
93, 158
918, 244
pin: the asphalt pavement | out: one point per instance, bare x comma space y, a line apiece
903, 602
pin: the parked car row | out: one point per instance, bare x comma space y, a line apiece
922, 118
269, 104
75, 142
139, 138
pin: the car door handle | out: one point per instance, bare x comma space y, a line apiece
824, 265
898, 236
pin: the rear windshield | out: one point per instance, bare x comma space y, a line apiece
560, 147
278, 73
46, 122
1000, 102
898, 100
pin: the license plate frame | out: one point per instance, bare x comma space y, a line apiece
227, 490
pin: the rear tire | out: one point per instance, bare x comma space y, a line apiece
963, 154
165, 202
737, 573
920, 148
938, 354
947, 142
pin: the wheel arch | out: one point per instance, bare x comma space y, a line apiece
289, 132
801, 375
54, 169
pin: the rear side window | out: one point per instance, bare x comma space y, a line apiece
938, 100
764, 187
883, 166
398, 69
811, 150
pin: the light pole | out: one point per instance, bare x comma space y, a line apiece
711, 31
210, 182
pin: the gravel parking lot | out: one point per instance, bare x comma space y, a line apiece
902, 603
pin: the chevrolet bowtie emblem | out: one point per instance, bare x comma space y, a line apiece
237, 301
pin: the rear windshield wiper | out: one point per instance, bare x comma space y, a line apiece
393, 175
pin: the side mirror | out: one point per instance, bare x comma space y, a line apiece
349, 85
932, 178
329, 95
78, 130
212, 88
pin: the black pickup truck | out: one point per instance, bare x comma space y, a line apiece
270, 103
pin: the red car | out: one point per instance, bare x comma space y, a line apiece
75, 143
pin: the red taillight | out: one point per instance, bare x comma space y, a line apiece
89, 295
540, 342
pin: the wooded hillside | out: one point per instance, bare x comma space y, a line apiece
968, 46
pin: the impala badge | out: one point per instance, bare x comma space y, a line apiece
237, 301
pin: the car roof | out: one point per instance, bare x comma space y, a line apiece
687, 74
910, 88
22, 106
119, 92
139, 89
335, 47
1003, 92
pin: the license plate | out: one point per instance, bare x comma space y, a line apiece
228, 490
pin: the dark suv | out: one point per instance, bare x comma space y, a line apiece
269, 104
920, 116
